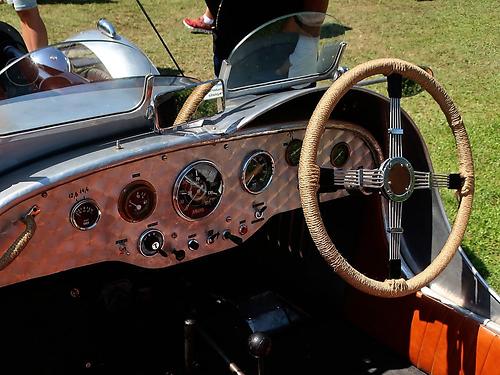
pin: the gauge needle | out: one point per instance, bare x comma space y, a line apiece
197, 185
341, 153
137, 206
195, 196
256, 171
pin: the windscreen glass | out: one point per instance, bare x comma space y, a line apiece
298, 45
70, 81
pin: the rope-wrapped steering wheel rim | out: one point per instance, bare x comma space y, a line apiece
309, 173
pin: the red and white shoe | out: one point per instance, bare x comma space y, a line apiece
197, 25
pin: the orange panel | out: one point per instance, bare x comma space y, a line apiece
436, 338
417, 333
488, 349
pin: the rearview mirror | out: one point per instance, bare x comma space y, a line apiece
191, 103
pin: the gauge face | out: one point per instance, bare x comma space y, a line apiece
340, 154
292, 152
137, 201
85, 214
198, 190
257, 172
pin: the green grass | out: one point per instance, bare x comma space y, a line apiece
458, 39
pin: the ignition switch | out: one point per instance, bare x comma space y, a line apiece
151, 242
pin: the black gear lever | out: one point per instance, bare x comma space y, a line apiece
259, 345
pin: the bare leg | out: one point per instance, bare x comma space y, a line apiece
33, 29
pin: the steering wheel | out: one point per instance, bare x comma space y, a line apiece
395, 178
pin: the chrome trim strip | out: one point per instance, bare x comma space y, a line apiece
486, 322
143, 148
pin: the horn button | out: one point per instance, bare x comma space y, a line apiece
398, 179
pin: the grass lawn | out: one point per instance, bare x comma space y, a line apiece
458, 39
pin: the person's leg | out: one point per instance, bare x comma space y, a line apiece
212, 8
32, 26
208, 17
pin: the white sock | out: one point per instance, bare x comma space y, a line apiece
207, 20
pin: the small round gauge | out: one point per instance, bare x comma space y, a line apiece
292, 152
198, 190
137, 201
258, 171
340, 154
85, 214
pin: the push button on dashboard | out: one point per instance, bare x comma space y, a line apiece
243, 229
193, 244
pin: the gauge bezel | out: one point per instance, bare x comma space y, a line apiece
177, 184
245, 166
76, 206
125, 193
347, 147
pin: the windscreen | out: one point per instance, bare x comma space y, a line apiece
68, 82
304, 44
69, 64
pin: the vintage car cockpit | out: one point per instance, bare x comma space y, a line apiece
157, 224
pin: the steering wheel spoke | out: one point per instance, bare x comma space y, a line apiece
333, 179
394, 88
395, 231
430, 180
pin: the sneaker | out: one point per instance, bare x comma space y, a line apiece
197, 25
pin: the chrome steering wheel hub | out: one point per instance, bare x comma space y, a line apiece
398, 179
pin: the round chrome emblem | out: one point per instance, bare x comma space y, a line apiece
398, 178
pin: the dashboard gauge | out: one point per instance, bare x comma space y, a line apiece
258, 171
340, 154
198, 190
292, 152
85, 214
137, 201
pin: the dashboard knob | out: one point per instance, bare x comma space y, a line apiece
179, 254
227, 235
151, 242
193, 244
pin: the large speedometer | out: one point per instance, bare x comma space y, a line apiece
198, 190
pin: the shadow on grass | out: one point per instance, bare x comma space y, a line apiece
330, 30
477, 262
82, 2
168, 71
